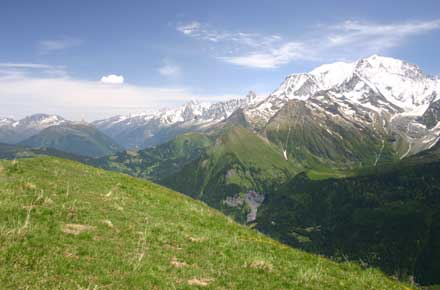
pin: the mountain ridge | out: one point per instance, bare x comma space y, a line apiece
74, 138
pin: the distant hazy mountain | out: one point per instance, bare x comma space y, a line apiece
81, 139
144, 130
12, 131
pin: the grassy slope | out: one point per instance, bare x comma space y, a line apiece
138, 235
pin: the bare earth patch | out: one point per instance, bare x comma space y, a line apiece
171, 247
177, 263
199, 282
29, 186
108, 223
197, 240
261, 265
71, 255
76, 229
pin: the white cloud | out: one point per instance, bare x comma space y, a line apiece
53, 45
170, 70
346, 40
113, 79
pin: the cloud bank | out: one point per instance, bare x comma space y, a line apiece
28, 92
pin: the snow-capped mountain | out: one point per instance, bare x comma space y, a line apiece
146, 129
39, 121
5, 122
399, 84
14, 131
387, 95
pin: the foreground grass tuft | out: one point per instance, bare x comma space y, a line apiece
64, 225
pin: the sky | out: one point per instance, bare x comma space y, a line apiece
94, 59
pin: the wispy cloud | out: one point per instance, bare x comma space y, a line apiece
54, 45
348, 39
24, 65
200, 31
376, 37
9, 69
170, 70
189, 28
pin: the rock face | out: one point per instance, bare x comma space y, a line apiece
432, 115
252, 200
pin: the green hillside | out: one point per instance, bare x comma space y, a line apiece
157, 162
64, 225
76, 139
8, 151
237, 163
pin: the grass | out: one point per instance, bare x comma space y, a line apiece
64, 225
328, 173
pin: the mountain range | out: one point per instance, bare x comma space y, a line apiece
390, 101
55, 132
148, 129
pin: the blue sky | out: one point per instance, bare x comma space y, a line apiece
92, 59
